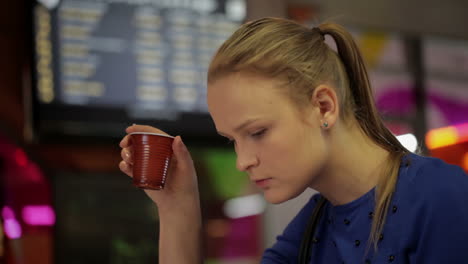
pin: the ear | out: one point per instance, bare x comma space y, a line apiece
325, 100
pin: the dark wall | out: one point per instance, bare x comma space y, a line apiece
13, 25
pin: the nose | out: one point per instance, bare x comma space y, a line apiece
246, 159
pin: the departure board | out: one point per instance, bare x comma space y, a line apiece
147, 58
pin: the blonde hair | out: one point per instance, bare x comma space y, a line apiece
298, 55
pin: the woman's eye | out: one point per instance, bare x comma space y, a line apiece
259, 133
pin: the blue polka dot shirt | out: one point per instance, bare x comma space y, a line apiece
427, 222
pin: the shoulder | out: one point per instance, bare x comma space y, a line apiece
432, 173
431, 180
433, 196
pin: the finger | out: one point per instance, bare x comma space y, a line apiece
125, 142
143, 128
181, 153
126, 155
126, 168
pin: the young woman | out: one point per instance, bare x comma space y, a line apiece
301, 115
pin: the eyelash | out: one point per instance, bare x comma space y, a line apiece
258, 134
255, 135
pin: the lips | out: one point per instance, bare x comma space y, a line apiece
263, 183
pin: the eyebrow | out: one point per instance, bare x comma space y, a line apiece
241, 126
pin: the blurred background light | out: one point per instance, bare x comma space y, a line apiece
244, 206
236, 9
7, 213
20, 157
465, 161
441, 137
408, 141
12, 228
38, 215
446, 136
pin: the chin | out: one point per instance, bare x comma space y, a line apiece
276, 197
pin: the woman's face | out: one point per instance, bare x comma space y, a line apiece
281, 149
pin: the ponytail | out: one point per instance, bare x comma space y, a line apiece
370, 122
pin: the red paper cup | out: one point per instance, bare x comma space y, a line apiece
152, 155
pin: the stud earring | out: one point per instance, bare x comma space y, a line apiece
325, 124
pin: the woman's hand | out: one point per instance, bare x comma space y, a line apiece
181, 183
180, 225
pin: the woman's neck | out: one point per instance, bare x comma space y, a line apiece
354, 165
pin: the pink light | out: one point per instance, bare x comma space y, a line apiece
20, 157
32, 172
462, 131
12, 228
38, 215
7, 213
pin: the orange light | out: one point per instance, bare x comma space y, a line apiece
465, 161
441, 137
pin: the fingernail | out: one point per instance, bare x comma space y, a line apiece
133, 124
127, 154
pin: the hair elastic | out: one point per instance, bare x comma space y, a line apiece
319, 31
